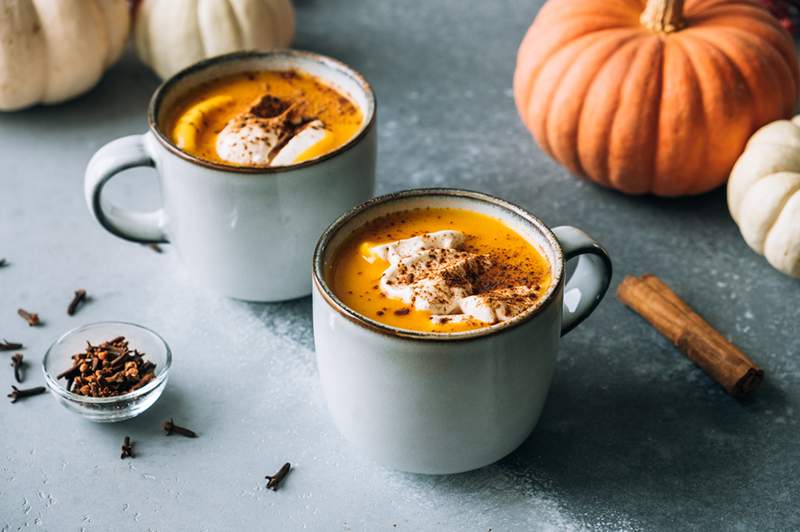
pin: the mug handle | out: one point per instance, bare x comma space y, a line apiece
114, 157
590, 280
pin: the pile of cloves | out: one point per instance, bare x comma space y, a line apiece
108, 370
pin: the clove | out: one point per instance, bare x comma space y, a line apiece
155, 247
70, 373
31, 317
144, 382
118, 361
80, 296
274, 481
5, 345
127, 448
16, 363
17, 393
3, 263
170, 427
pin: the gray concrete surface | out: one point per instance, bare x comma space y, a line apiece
633, 435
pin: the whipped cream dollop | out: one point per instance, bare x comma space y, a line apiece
501, 304
272, 132
434, 279
399, 249
433, 273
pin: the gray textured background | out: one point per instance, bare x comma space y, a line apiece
633, 435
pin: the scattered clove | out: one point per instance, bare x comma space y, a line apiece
5, 345
170, 427
80, 296
274, 481
108, 370
17, 393
16, 363
31, 317
127, 448
155, 247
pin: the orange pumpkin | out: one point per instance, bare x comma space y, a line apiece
653, 96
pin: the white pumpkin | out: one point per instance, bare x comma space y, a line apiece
52, 50
764, 194
172, 34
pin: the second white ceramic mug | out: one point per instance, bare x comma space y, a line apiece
247, 233
448, 402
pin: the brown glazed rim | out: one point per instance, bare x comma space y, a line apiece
321, 284
167, 85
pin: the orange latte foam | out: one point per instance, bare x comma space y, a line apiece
461, 264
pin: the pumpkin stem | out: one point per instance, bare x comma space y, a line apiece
663, 16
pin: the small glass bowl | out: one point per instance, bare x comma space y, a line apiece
107, 409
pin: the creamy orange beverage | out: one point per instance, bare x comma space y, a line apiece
265, 118
438, 270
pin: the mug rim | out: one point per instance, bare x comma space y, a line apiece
333, 301
167, 85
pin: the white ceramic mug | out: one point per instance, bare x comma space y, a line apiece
448, 402
247, 233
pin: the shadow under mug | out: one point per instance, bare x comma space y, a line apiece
245, 232
442, 403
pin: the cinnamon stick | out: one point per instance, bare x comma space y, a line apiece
652, 299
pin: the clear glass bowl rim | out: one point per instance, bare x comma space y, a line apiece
59, 389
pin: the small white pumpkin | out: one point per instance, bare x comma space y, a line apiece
52, 50
172, 34
764, 194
